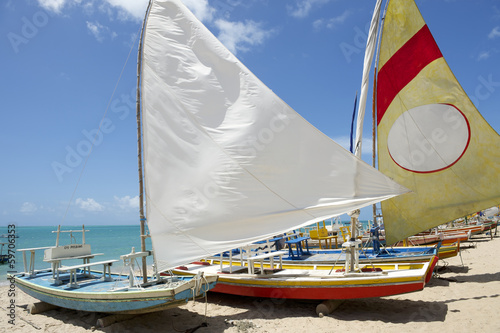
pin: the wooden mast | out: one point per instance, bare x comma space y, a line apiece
374, 133
374, 101
139, 151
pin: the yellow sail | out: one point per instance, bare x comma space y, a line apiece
431, 138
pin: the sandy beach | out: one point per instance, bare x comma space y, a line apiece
459, 299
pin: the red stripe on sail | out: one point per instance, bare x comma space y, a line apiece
403, 66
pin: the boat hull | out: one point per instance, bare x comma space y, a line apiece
94, 295
316, 292
318, 284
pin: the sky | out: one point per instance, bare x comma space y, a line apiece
68, 64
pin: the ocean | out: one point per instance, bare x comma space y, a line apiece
111, 240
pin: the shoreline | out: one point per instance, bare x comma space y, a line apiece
460, 299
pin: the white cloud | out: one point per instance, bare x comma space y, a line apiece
95, 29
28, 208
130, 9
52, 5
127, 202
127, 9
200, 9
100, 31
302, 8
494, 33
483, 55
333, 22
89, 205
239, 36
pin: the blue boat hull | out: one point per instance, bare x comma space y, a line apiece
96, 295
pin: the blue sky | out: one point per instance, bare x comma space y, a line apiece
62, 59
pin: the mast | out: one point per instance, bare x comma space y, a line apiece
370, 50
374, 104
374, 132
139, 150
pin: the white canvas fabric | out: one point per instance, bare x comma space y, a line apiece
371, 44
227, 162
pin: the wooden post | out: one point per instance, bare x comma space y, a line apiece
40, 307
327, 307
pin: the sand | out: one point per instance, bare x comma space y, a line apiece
459, 299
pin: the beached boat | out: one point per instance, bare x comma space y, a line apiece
76, 287
434, 238
319, 282
466, 229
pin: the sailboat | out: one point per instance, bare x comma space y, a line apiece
77, 287
431, 138
244, 167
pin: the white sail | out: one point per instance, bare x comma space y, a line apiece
227, 162
369, 53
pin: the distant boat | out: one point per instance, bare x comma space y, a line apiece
4, 257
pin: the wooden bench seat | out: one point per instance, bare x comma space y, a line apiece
261, 257
106, 273
56, 263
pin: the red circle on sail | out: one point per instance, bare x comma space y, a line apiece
429, 138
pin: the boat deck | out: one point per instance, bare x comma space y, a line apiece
337, 256
93, 284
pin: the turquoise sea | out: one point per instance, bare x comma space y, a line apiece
111, 240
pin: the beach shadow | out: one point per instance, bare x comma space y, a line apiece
469, 298
171, 320
393, 311
191, 317
240, 313
481, 239
439, 282
77, 318
452, 269
478, 278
